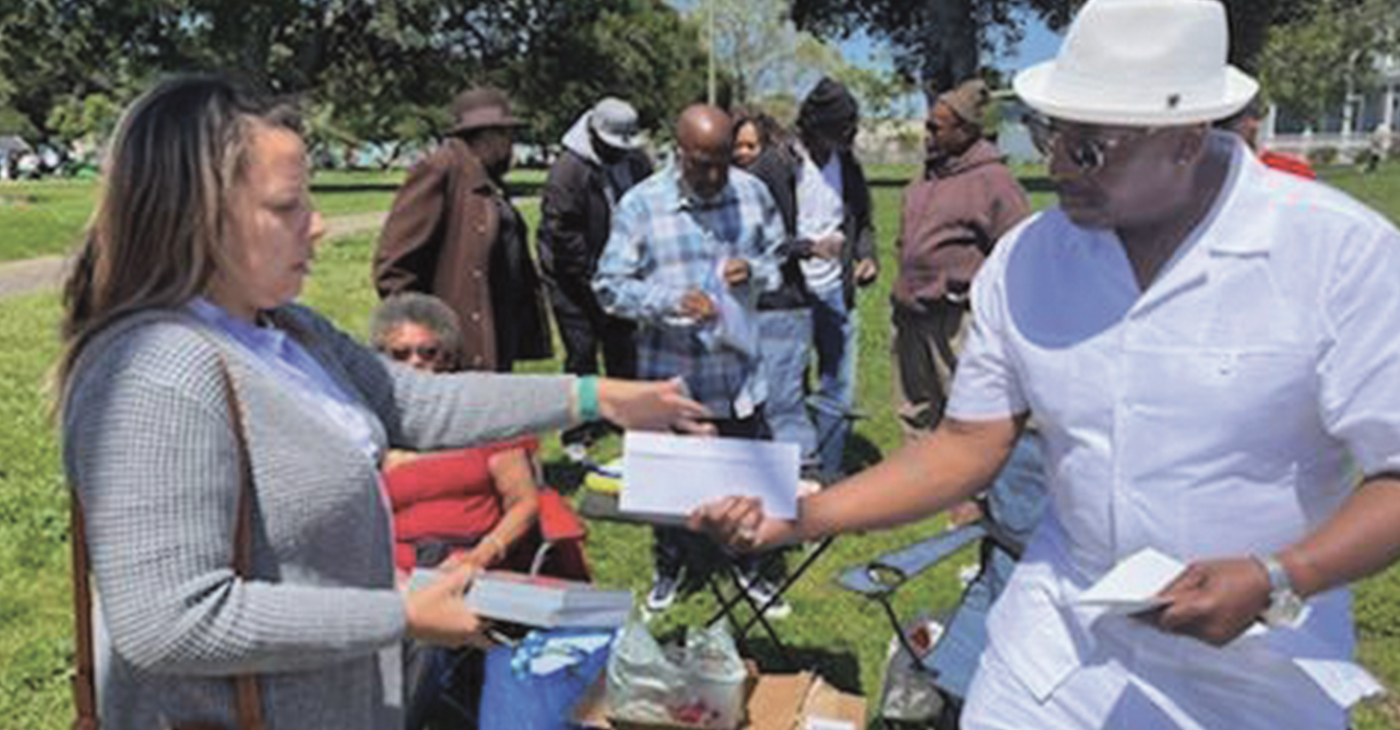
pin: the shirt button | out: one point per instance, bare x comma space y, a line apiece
476, 273
476, 316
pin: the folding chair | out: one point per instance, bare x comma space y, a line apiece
600, 501
449, 694
1011, 509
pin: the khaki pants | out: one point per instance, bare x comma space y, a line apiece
926, 347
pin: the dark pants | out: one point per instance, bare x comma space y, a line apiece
674, 547
586, 330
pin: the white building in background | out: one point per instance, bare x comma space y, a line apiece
1350, 129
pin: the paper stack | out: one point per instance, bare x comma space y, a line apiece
546, 602
666, 475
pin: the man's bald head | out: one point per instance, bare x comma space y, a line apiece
703, 126
703, 134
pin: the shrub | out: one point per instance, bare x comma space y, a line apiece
1322, 156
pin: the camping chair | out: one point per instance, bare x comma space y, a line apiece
601, 494
449, 695
1011, 508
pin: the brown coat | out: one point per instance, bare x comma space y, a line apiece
950, 221
440, 239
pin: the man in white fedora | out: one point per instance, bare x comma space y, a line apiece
1208, 347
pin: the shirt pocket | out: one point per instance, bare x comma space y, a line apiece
1245, 408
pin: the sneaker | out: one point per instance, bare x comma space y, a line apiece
762, 590
664, 586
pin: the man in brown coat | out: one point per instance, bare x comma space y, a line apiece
454, 233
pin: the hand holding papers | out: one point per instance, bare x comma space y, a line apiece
668, 476
1134, 584
546, 602
1133, 587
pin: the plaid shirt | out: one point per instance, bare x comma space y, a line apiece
665, 242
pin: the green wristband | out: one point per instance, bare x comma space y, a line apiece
587, 392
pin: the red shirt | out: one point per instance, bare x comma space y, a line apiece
1288, 163
446, 495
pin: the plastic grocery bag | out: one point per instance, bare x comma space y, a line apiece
735, 326
909, 693
700, 685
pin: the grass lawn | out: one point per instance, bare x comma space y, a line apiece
845, 636
47, 217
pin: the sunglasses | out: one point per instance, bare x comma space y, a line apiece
424, 352
1089, 151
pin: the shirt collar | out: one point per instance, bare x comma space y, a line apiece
1238, 230
248, 333
683, 199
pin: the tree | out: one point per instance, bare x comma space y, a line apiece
936, 43
755, 42
640, 50
941, 42
1314, 62
371, 70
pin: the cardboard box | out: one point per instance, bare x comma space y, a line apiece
777, 702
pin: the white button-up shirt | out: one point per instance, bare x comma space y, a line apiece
1222, 412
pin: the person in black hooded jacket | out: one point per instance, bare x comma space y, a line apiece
602, 159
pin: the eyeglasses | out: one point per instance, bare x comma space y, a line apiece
1088, 151
424, 352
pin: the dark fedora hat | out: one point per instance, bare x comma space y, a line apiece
481, 108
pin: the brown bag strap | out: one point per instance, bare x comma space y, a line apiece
247, 697
84, 685
250, 716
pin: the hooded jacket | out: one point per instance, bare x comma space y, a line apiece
576, 210
950, 221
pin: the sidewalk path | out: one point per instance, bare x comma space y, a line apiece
47, 272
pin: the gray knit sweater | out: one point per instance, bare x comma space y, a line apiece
148, 444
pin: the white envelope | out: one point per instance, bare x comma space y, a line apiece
669, 475
1133, 584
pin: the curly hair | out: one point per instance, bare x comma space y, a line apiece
424, 310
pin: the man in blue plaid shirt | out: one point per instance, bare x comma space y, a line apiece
692, 241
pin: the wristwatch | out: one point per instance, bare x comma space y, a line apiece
1285, 606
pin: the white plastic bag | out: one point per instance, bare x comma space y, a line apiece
700, 685
735, 326
909, 693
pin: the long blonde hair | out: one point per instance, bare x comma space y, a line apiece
155, 238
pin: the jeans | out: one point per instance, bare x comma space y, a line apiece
1015, 502
785, 340
834, 336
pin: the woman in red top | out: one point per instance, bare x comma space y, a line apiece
475, 505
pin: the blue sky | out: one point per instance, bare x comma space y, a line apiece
1039, 45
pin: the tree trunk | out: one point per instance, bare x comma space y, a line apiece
951, 51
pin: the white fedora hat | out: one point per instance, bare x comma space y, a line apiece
1141, 63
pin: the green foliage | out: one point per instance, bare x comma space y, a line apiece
1322, 156
89, 119
643, 52
373, 72
1312, 62
936, 42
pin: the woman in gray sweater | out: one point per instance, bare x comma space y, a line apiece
201, 242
